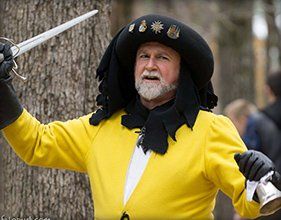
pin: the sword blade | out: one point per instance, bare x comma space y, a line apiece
39, 39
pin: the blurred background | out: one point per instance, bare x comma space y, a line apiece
245, 37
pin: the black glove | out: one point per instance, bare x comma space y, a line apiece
7, 65
10, 107
254, 165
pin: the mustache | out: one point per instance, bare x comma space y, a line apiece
155, 74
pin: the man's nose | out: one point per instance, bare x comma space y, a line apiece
151, 65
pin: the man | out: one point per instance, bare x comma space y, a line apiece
153, 150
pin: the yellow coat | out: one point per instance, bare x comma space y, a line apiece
182, 184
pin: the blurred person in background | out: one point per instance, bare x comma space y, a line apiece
266, 123
239, 112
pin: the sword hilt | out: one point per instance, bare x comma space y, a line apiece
15, 64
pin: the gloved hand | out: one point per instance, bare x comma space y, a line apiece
7, 65
10, 107
254, 165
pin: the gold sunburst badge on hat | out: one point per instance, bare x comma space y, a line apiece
157, 26
173, 32
142, 26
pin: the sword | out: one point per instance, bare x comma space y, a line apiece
18, 49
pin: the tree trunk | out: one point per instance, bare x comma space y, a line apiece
274, 36
61, 85
121, 14
235, 51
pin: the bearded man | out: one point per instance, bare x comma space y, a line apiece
154, 149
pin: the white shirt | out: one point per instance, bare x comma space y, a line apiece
135, 170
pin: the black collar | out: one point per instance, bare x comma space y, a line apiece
157, 123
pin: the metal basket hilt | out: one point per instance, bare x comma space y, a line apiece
23, 78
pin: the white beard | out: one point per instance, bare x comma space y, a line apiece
150, 90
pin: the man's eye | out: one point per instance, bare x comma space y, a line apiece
163, 58
143, 56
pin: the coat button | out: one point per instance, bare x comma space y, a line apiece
125, 216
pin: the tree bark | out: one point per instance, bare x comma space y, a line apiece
61, 85
235, 51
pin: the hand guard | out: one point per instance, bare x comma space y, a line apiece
254, 165
8, 63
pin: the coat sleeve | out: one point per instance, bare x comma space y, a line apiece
222, 142
55, 145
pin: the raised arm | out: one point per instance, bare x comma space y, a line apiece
58, 144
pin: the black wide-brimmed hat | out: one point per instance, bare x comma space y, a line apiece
172, 33
116, 69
